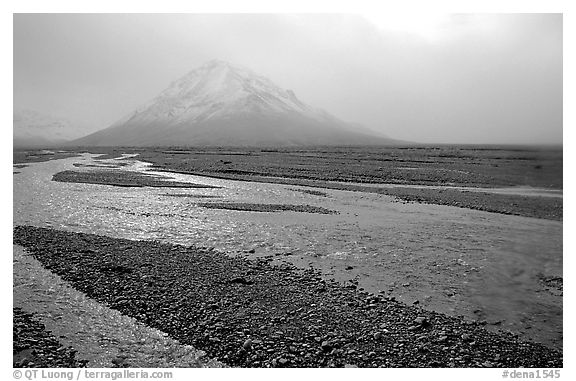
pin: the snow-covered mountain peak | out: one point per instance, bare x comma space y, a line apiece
219, 89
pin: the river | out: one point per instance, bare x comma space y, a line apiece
483, 266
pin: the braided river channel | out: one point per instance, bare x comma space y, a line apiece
502, 270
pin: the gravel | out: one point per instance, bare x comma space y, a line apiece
250, 313
253, 207
186, 195
310, 191
122, 179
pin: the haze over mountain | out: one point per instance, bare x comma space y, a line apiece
420, 75
35, 129
219, 104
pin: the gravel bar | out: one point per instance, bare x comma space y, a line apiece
121, 179
250, 313
101, 336
253, 207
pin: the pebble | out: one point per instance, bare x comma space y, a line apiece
326, 346
422, 321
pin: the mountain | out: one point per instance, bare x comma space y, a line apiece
219, 104
34, 129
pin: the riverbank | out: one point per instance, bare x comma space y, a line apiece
251, 313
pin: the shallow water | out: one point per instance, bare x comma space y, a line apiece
477, 264
100, 335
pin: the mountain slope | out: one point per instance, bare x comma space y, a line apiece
221, 104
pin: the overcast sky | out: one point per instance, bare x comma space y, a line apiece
430, 78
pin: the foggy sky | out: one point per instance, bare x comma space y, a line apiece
480, 79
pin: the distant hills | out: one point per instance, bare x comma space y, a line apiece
34, 129
219, 104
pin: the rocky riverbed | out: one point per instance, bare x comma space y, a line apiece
251, 313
